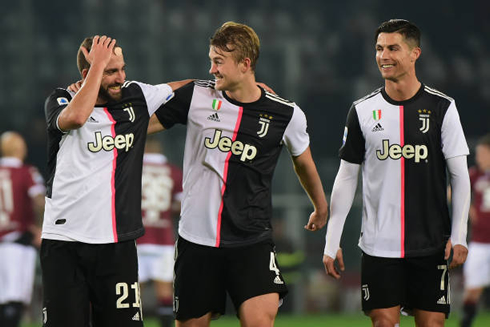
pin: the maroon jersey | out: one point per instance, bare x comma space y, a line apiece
480, 186
161, 188
19, 183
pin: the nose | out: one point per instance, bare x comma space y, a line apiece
213, 70
120, 77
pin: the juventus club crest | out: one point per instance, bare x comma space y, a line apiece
424, 117
130, 111
264, 121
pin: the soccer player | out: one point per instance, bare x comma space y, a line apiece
477, 266
161, 193
235, 133
404, 136
96, 140
21, 205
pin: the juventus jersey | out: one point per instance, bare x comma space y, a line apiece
403, 147
231, 151
480, 187
162, 188
19, 183
94, 183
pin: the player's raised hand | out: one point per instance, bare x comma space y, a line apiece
101, 51
330, 267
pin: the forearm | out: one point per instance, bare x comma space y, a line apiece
177, 84
310, 180
343, 192
81, 106
461, 197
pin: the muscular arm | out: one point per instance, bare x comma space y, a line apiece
307, 173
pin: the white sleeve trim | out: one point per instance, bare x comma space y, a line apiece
343, 192
461, 198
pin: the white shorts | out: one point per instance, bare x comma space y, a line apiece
17, 269
155, 262
477, 266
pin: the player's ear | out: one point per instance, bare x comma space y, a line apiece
246, 65
415, 54
84, 73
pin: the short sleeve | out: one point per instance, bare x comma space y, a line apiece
353, 142
55, 103
155, 95
453, 139
296, 137
176, 109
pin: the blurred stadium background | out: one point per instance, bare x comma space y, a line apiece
319, 54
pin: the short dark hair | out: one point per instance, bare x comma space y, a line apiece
82, 63
408, 30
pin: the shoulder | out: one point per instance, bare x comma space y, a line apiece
61, 96
279, 101
367, 97
438, 94
207, 84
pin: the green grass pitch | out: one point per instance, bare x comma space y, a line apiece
334, 320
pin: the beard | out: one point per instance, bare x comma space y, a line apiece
104, 93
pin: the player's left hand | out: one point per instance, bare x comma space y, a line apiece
266, 87
316, 221
75, 87
459, 254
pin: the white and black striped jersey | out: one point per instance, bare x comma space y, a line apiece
403, 147
94, 172
231, 151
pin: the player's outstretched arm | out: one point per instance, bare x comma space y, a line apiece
307, 173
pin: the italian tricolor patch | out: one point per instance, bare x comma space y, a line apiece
377, 114
217, 104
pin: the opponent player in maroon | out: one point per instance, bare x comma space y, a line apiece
161, 193
477, 266
21, 198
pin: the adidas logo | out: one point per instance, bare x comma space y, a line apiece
136, 317
442, 300
214, 117
278, 280
92, 120
377, 128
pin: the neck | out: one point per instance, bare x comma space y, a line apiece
402, 90
245, 92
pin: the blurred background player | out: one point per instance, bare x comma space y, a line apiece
477, 266
161, 193
21, 204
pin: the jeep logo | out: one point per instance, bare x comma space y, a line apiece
108, 142
225, 144
395, 151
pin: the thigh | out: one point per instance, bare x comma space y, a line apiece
253, 271
16, 272
114, 287
382, 282
477, 266
65, 292
199, 281
428, 283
